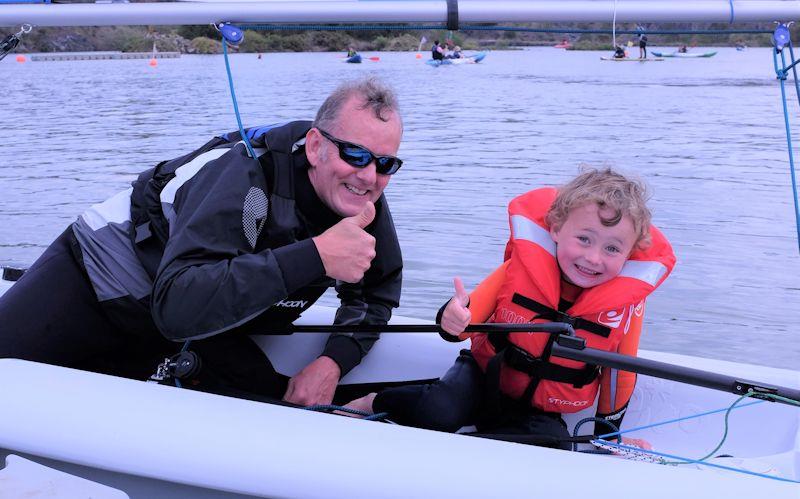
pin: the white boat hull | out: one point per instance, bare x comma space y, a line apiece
264, 450
168, 439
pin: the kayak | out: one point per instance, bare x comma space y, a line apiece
112, 437
563, 46
631, 59
685, 55
356, 59
473, 59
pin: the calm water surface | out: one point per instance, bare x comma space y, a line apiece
706, 134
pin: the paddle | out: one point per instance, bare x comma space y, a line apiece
374, 58
570, 346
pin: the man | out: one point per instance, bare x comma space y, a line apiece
642, 43
215, 245
437, 51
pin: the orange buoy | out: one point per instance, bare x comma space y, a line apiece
153, 62
419, 56
21, 58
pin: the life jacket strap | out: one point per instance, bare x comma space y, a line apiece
539, 368
544, 312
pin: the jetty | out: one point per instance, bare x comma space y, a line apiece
95, 56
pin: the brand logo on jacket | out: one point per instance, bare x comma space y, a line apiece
254, 214
611, 318
292, 303
573, 403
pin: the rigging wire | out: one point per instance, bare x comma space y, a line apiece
244, 136
782, 39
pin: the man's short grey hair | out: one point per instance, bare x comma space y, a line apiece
371, 91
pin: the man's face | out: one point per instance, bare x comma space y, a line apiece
588, 252
345, 189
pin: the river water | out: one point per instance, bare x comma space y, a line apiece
707, 135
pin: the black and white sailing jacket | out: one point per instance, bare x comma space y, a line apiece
215, 241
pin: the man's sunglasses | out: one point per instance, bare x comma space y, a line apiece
359, 156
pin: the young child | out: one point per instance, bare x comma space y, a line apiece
585, 253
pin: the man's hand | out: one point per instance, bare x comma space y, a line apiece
346, 249
456, 315
315, 384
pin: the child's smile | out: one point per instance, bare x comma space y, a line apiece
590, 253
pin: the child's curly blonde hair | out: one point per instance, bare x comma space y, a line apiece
608, 189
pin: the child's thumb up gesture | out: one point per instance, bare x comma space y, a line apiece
456, 316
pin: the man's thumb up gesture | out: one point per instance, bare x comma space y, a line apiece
346, 249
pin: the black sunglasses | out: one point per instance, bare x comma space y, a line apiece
359, 156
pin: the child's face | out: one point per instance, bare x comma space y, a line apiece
588, 252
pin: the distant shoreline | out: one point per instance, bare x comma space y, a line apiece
205, 40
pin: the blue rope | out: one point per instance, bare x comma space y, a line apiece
678, 460
678, 420
732, 13
782, 73
471, 27
697, 461
682, 460
235, 105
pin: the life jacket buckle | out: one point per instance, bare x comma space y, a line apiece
520, 360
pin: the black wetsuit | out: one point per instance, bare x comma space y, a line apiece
465, 396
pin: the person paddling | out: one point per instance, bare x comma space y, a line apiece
437, 51
586, 254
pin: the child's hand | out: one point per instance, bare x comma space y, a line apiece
456, 316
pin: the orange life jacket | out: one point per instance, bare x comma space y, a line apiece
530, 292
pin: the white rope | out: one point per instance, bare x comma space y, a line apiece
628, 453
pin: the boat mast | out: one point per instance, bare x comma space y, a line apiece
394, 11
